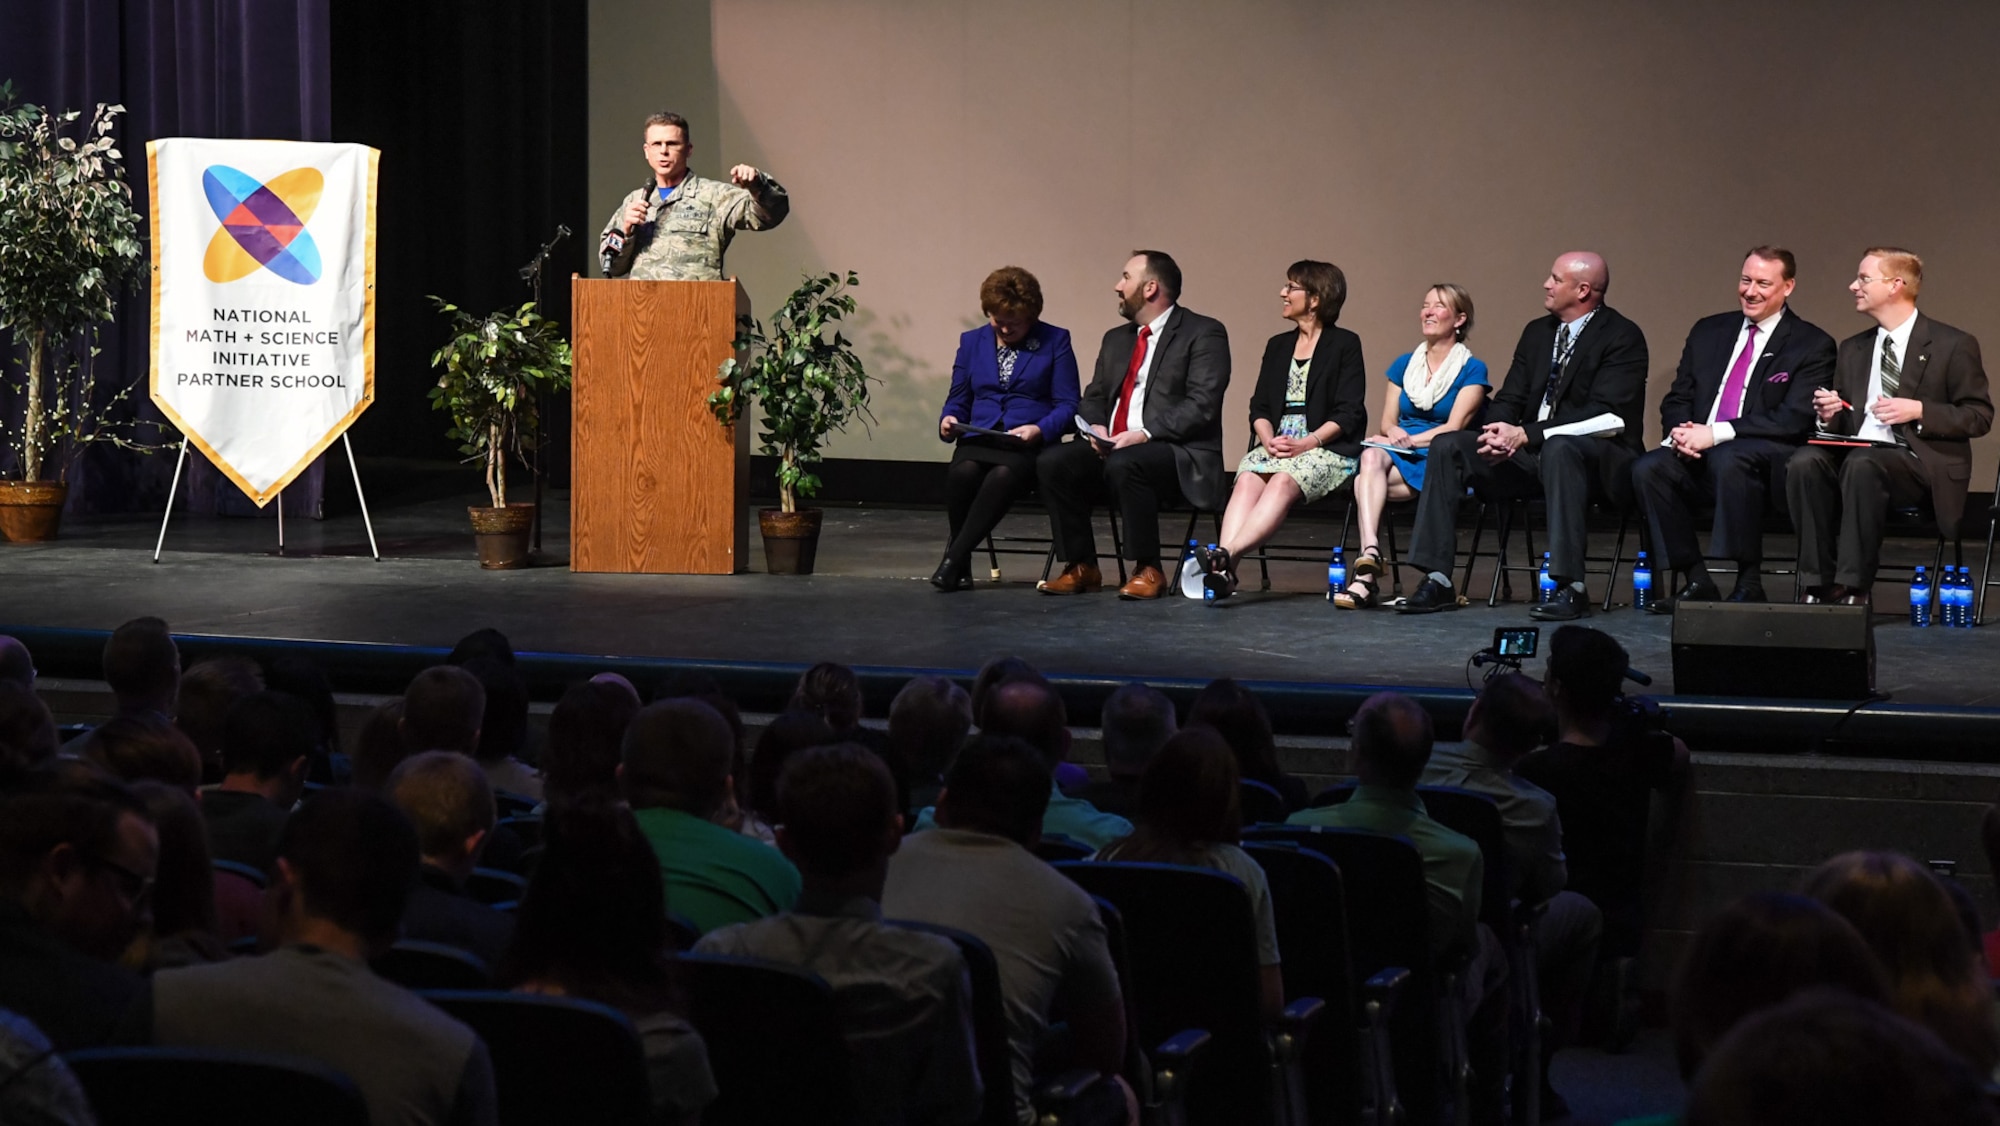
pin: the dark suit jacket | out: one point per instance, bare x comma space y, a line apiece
1184, 388
1795, 360
1606, 373
1336, 386
1943, 371
1043, 390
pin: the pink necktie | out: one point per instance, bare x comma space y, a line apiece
1739, 375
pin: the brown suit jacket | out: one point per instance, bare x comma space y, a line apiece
1943, 371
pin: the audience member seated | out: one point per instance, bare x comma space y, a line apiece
1508, 720
833, 691
503, 728
1832, 1059
448, 802
1935, 976
143, 745
785, 736
1190, 813
17, 665
1603, 769
1758, 952
904, 997
484, 642
142, 666
1391, 743
344, 869
676, 775
1136, 721
302, 677
928, 720
209, 688
593, 925
27, 731
1034, 713
182, 927
442, 710
974, 872
267, 741
1239, 717
379, 745
586, 729
77, 858
993, 674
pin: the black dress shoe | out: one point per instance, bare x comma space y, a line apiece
951, 576
1752, 591
1697, 590
1567, 604
1431, 596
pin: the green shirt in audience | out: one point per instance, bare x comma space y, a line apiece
717, 876
1453, 867
1069, 817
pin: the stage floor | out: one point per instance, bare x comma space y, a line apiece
868, 605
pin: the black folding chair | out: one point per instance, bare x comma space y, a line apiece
557, 1059
774, 1042
432, 965
1348, 1064
1191, 938
146, 1086
1389, 928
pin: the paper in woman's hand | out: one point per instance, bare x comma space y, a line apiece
962, 429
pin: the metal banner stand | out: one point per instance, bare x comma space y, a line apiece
181, 461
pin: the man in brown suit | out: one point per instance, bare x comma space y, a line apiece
1917, 388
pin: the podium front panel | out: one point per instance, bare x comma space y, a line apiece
657, 484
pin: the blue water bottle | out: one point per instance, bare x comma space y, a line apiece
1963, 592
1642, 583
1920, 598
1947, 597
1336, 573
1546, 586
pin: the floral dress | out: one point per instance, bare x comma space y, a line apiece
1318, 471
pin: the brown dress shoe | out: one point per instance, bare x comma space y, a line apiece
1076, 578
1146, 582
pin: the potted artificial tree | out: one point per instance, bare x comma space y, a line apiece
807, 383
69, 244
495, 369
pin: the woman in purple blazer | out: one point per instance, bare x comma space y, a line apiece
1014, 379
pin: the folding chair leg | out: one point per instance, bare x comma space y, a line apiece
1472, 553
1500, 575
1985, 573
993, 558
1617, 558
1117, 546
1394, 560
1263, 568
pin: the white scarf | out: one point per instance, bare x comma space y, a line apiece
1425, 387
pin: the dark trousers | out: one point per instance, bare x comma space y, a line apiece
1737, 476
981, 485
1840, 500
1569, 472
1139, 478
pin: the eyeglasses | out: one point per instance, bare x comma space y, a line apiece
1293, 287
134, 887
1863, 280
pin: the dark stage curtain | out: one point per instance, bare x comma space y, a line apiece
479, 110
182, 68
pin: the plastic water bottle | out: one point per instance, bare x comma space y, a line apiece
1336, 573
1961, 593
1920, 598
1947, 597
1546, 586
1642, 583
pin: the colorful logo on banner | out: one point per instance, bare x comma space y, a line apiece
263, 225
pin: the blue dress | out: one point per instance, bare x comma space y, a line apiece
1414, 421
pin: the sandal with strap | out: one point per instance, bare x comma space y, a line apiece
1369, 562
1214, 560
1348, 600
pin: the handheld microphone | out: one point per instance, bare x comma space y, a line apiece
614, 240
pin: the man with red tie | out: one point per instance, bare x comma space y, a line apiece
1153, 413
1741, 404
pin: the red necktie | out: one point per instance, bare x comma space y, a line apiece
1733, 385
1131, 376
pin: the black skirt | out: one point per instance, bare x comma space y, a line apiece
1020, 459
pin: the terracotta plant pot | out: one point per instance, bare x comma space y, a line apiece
502, 535
31, 511
791, 540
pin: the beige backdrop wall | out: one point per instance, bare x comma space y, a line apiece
926, 142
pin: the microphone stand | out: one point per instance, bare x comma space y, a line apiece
532, 274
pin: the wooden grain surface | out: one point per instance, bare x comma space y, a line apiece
656, 483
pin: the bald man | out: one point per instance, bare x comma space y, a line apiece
16, 663
1582, 360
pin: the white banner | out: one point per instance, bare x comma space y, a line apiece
263, 299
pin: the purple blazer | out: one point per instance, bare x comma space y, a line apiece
1044, 389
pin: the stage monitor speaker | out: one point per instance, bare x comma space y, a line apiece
1778, 652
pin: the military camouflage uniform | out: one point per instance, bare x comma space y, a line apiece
684, 238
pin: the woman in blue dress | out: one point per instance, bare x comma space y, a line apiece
1438, 387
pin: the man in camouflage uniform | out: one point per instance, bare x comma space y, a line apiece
678, 228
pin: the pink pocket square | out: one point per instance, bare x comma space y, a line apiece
1781, 377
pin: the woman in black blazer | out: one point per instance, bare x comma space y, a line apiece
1308, 412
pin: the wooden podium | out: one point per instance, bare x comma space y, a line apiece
656, 483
